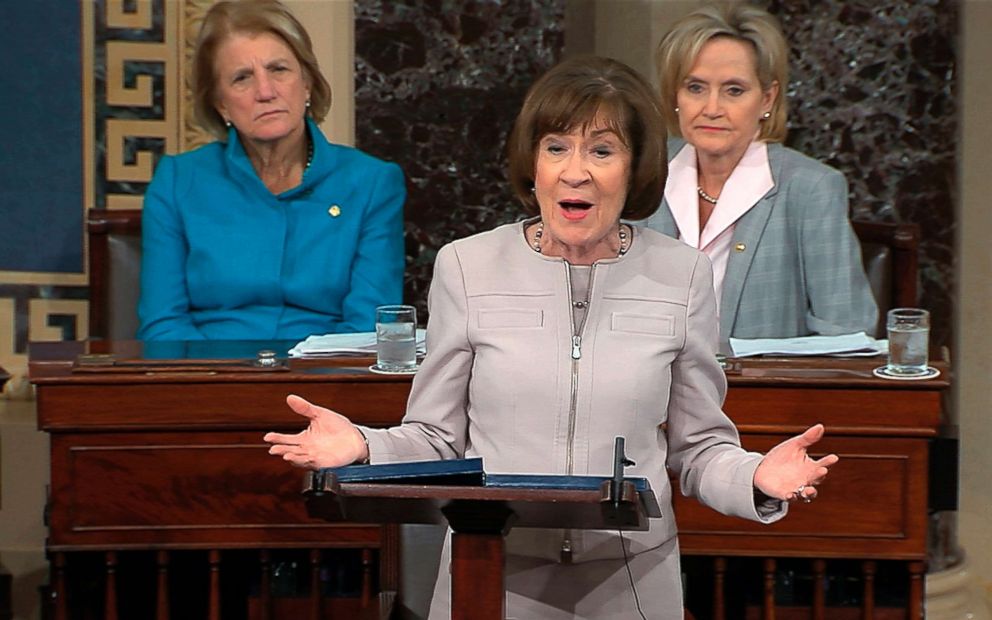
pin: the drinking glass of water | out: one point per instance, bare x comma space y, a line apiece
909, 335
396, 338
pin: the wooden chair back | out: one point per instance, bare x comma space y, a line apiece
890, 253
115, 270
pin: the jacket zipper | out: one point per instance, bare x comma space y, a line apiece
576, 355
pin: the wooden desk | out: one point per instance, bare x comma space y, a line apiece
171, 456
174, 458
872, 506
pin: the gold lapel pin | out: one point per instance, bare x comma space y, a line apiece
740, 247
334, 211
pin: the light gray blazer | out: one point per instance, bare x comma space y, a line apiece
501, 381
799, 272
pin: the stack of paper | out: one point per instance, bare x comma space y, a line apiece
859, 344
360, 344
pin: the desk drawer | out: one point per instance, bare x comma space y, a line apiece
221, 489
872, 505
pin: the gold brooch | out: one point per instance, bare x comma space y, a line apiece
740, 247
334, 211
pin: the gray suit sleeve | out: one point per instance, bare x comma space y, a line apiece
703, 444
436, 421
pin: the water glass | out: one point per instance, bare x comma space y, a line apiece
909, 335
396, 338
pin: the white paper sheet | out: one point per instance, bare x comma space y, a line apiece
853, 345
359, 344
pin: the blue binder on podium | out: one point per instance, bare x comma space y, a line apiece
467, 472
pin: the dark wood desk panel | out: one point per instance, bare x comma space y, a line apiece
165, 458
181, 490
176, 459
873, 505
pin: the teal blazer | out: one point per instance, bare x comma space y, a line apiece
799, 272
224, 258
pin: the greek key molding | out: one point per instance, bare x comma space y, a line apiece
40, 311
135, 115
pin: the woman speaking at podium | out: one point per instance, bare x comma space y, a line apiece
551, 336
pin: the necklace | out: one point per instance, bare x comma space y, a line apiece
705, 196
309, 155
621, 233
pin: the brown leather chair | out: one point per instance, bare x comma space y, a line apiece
891, 260
115, 270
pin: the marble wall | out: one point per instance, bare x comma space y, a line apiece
873, 92
437, 86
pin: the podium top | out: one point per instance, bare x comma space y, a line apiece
468, 499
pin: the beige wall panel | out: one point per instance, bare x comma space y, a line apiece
628, 30
331, 24
973, 360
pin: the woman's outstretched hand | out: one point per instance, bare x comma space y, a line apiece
331, 440
788, 473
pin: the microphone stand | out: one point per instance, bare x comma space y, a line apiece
620, 460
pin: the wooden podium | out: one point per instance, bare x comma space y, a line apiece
480, 517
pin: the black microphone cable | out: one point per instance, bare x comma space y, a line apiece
630, 575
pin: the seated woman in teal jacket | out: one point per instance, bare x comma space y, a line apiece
272, 232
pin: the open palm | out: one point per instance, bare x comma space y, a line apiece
331, 440
788, 473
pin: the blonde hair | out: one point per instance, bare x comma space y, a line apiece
251, 17
679, 49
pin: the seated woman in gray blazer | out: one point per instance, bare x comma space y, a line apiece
774, 222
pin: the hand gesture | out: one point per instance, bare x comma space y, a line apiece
788, 473
331, 440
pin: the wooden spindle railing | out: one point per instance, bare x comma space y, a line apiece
819, 588
768, 600
265, 583
316, 599
110, 586
213, 558
162, 589
916, 571
868, 570
732, 597
719, 578
367, 565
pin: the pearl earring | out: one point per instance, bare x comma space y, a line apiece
308, 103
227, 122
766, 115
676, 109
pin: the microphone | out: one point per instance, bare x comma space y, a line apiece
620, 460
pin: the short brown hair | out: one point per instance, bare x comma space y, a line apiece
571, 95
251, 17
679, 49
